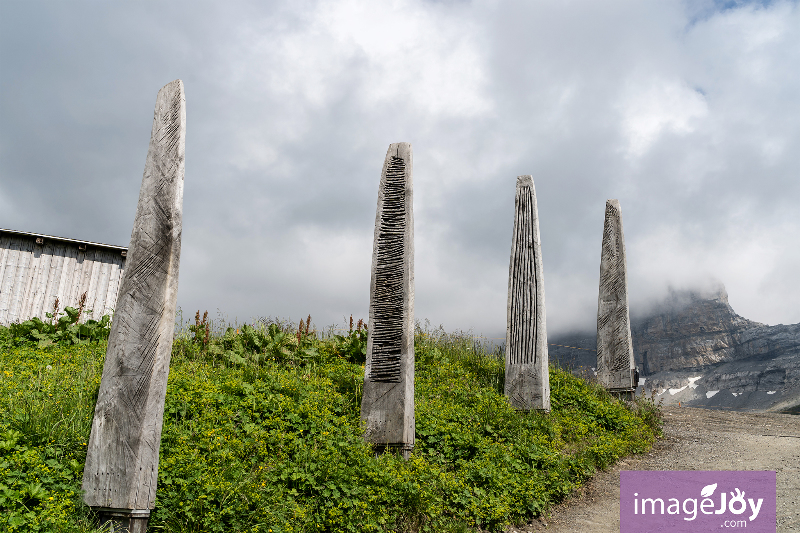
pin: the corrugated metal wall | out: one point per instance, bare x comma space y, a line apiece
37, 269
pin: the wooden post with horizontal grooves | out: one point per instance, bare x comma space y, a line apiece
387, 405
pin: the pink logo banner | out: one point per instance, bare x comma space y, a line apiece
696, 500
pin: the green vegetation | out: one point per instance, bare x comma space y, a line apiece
262, 433
60, 328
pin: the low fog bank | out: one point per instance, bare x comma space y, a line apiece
657, 299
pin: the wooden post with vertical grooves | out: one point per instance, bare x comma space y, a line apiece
527, 375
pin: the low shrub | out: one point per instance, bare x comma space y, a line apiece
262, 433
63, 328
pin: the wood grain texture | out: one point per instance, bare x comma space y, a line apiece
122, 457
24, 260
33, 275
527, 376
615, 365
387, 405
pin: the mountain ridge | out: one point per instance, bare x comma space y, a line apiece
733, 362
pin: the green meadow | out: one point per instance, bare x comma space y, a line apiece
262, 433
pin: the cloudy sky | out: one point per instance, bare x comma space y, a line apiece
688, 112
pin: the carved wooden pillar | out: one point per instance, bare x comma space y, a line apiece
527, 373
121, 471
615, 365
387, 406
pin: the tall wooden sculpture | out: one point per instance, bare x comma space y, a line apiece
387, 406
121, 471
527, 374
615, 365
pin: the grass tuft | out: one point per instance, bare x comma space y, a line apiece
262, 433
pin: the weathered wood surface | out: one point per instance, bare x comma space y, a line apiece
33, 275
527, 380
123, 520
122, 457
387, 405
615, 365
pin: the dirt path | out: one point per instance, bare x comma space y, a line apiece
694, 439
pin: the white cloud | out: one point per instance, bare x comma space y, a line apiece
690, 122
651, 107
748, 258
400, 53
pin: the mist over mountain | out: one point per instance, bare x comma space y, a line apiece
692, 347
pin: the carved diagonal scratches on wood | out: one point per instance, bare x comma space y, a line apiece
614, 351
122, 456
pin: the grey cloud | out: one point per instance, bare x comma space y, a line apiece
685, 111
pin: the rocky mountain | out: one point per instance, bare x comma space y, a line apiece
694, 329
693, 348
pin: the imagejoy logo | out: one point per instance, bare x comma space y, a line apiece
688, 501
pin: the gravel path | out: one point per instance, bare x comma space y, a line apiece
694, 439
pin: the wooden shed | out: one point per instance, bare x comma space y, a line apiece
36, 269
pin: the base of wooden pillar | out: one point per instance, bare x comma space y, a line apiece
123, 520
623, 394
401, 448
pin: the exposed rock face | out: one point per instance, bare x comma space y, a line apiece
691, 329
769, 342
694, 348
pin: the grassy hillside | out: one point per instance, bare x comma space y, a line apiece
261, 433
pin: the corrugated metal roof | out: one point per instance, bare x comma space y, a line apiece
63, 239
